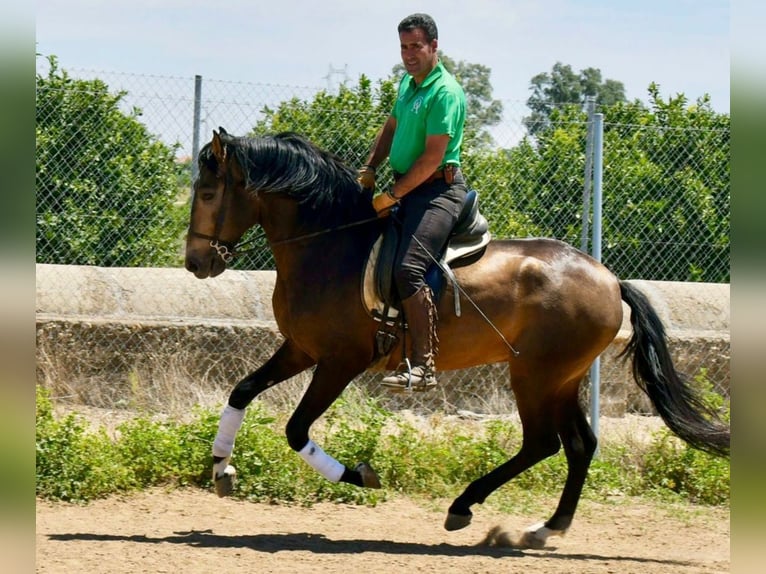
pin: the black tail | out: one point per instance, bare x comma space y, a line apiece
678, 403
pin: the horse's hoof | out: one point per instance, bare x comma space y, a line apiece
369, 478
224, 480
537, 535
532, 540
457, 521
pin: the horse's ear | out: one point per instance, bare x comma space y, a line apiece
222, 131
219, 149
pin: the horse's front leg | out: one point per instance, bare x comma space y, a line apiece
330, 378
286, 362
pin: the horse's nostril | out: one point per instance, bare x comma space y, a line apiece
192, 266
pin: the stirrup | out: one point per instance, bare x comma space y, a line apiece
405, 381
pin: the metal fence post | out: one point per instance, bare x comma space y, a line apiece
590, 104
598, 154
196, 125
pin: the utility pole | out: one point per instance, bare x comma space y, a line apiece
332, 72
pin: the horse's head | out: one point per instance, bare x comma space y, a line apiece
221, 209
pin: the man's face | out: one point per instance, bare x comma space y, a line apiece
418, 54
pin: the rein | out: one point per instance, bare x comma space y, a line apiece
322, 232
227, 251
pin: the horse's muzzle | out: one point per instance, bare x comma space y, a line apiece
204, 266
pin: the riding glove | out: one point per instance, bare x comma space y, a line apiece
366, 177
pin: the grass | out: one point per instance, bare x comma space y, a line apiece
432, 458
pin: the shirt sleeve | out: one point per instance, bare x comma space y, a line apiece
444, 114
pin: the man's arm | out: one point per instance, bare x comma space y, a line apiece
382, 146
424, 166
428, 162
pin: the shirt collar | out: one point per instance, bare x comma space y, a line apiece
432, 76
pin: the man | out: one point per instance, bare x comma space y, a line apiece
422, 139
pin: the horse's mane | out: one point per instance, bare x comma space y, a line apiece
289, 163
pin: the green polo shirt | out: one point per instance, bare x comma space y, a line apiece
435, 107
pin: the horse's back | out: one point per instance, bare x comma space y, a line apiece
543, 268
546, 297
553, 266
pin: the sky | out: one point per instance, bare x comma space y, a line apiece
682, 45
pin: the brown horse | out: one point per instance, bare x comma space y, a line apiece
540, 305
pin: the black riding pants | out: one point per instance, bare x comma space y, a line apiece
427, 215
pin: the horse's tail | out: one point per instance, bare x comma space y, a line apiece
679, 404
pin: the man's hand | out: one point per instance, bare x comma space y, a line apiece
366, 177
382, 203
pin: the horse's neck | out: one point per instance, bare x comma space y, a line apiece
322, 255
305, 248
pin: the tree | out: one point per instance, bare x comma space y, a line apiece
563, 87
105, 187
667, 208
482, 111
345, 123
666, 202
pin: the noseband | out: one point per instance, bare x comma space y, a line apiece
226, 250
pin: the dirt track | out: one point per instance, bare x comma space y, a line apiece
194, 531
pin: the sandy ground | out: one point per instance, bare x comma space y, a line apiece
191, 531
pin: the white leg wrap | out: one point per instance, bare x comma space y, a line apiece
322, 462
228, 426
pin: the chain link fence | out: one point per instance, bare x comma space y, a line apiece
114, 171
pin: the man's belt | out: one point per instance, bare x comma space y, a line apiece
447, 173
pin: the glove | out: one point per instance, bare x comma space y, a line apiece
366, 177
382, 203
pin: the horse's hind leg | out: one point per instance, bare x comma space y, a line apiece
539, 441
286, 362
579, 445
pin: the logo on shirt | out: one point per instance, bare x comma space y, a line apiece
416, 105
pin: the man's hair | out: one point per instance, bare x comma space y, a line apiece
422, 21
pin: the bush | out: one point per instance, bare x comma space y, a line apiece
106, 188
673, 467
74, 463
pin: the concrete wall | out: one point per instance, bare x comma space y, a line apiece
92, 319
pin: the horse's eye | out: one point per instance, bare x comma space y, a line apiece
207, 195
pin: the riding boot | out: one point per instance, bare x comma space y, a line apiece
418, 375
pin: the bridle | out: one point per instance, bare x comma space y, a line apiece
228, 250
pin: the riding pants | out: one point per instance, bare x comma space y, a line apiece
427, 214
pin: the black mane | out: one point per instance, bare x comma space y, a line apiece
289, 163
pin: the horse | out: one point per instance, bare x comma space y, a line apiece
540, 305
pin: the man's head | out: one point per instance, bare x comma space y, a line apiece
422, 21
418, 37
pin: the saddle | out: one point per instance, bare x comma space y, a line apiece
469, 236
